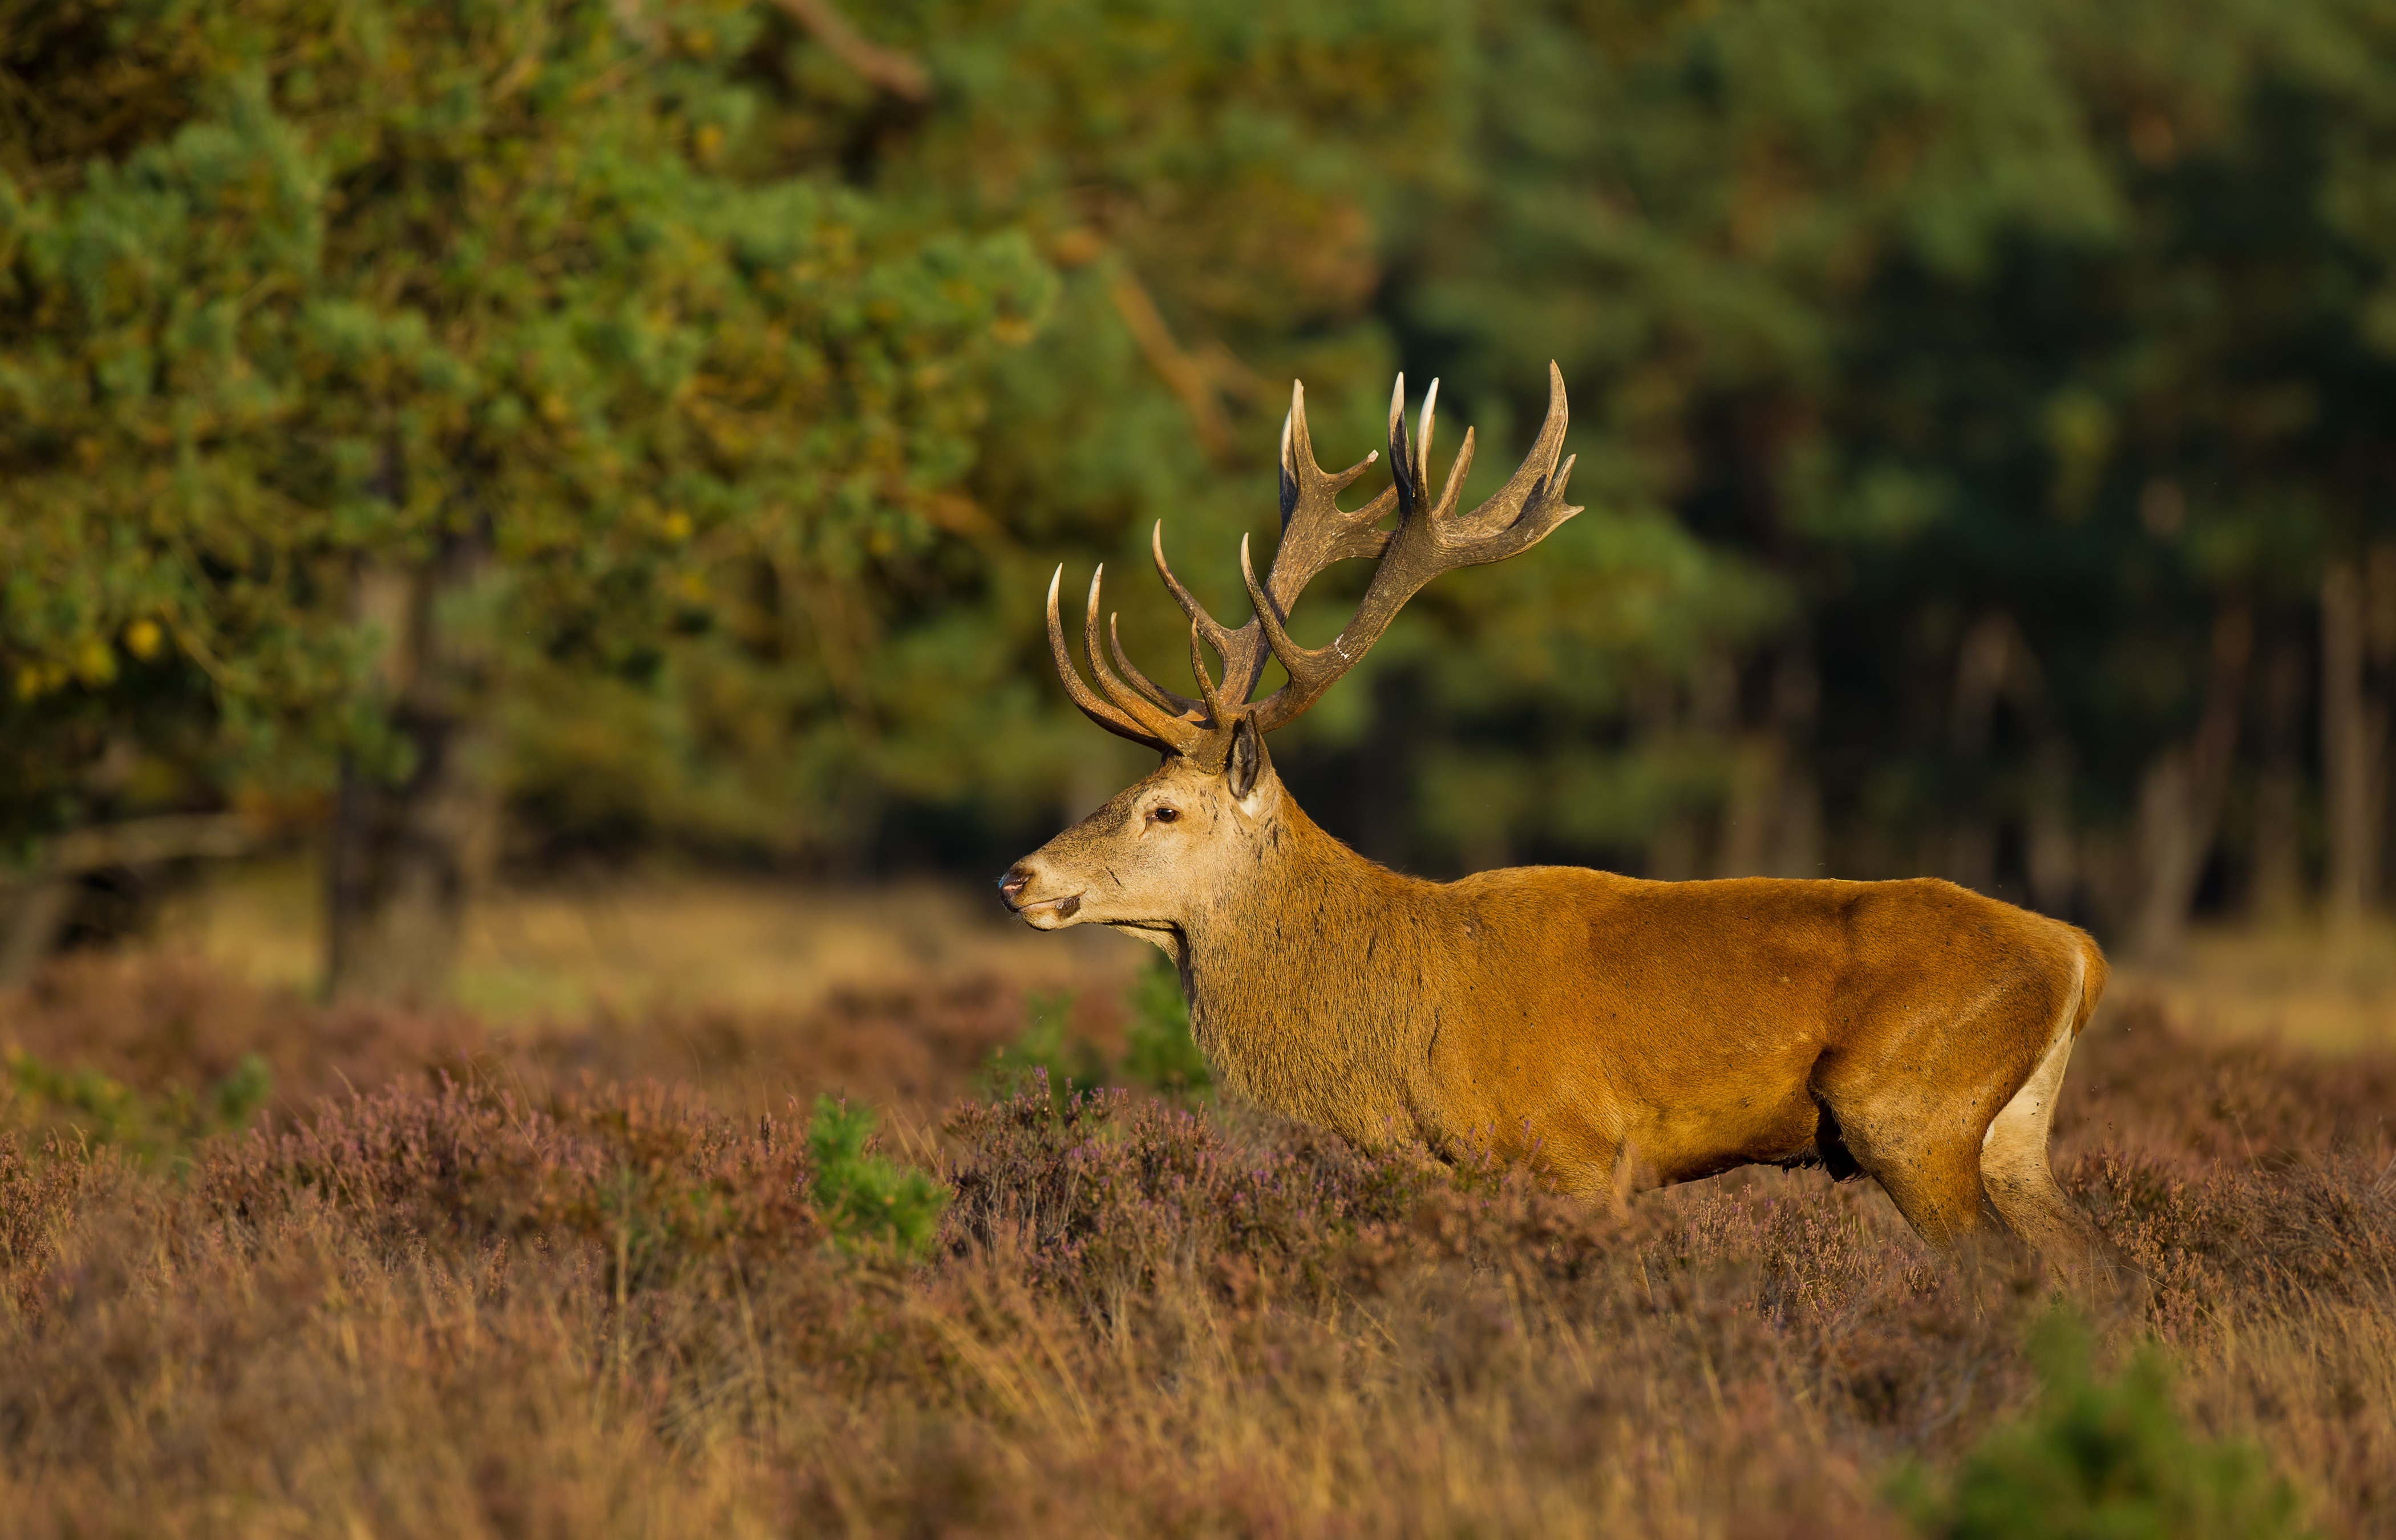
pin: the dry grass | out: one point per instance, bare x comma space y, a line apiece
544, 1299
2329, 990
628, 946
631, 944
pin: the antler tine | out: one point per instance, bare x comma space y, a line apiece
1311, 669
1537, 481
1415, 456
1456, 474
1175, 734
1422, 433
1316, 532
1172, 701
1216, 712
1231, 646
1426, 543
1405, 477
1083, 695
1299, 473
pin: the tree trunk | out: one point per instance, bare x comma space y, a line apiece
1671, 851
2276, 893
2052, 850
1993, 665
1381, 808
2180, 801
1712, 718
405, 855
1796, 845
2354, 730
1797, 831
38, 907
1772, 823
2171, 853
1753, 804
36, 911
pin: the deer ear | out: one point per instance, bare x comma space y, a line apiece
1246, 761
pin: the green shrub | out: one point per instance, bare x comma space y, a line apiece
866, 1201
2102, 1460
1045, 1051
1158, 1049
160, 1129
1158, 1053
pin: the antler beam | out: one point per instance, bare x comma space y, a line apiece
1125, 713
1430, 538
1428, 541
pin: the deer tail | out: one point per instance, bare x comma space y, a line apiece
2093, 973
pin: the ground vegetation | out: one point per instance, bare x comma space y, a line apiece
451, 1281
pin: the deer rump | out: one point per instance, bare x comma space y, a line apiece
1605, 1029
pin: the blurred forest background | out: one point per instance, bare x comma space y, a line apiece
489, 437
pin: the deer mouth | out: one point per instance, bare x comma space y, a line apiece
1039, 913
1049, 913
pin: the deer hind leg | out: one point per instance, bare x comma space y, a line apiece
2019, 1181
1933, 1175
1934, 1184
1913, 1118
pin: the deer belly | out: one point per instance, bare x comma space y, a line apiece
1719, 1129
1675, 1117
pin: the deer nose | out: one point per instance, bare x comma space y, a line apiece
1011, 885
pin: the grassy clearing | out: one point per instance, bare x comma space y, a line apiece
632, 945
2332, 990
622, 1276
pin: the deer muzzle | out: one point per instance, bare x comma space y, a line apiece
1019, 890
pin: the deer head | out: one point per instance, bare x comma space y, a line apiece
1176, 838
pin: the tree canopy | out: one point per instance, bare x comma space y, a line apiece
516, 425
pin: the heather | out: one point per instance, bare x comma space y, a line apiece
480, 1286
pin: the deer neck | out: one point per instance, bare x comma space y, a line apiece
1311, 985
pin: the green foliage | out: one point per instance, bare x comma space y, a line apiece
2027, 312
1046, 1054
513, 276
868, 1202
162, 1130
1159, 1051
760, 458
765, 404
2103, 1460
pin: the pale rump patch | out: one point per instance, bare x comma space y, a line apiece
2019, 1128
2013, 1160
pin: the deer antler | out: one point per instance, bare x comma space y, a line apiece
1427, 542
1316, 532
1129, 715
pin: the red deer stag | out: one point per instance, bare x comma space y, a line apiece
1601, 1025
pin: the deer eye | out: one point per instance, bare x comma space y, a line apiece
1165, 815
